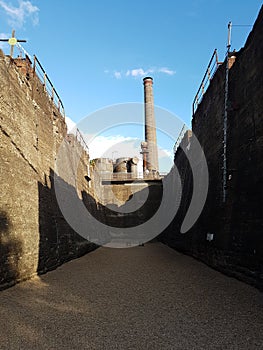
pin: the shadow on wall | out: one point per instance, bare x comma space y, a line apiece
10, 253
123, 225
113, 216
59, 242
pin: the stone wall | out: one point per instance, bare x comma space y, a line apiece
34, 237
237, 224
37, 159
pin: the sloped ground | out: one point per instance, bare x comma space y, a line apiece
147, 297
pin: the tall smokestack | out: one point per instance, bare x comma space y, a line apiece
150, 128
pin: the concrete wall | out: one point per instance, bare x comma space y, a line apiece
237, 225
34, 237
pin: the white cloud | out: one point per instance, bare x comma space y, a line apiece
114, 147
117, 75
165, 160
118, 146
70, 124
18, 15
140, 72
166, 71
165, 153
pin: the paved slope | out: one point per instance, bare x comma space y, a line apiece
147, 297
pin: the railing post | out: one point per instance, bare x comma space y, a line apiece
211, 69
45, 80
47, 88
218, 63
34, 66
209, 73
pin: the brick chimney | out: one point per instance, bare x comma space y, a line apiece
150, 128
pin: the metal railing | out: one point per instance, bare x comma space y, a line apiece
39, 71
210, 71
81, 140
129, 176
180, 137
48, 86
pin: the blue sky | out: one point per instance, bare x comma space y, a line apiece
97, 52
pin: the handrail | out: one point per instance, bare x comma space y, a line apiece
81, 140
180, 137
48, 86
39, 71
210, 71
108, 176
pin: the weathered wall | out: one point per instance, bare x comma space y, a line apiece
34, 237
37, 157
237, 225
124, 204
146, 197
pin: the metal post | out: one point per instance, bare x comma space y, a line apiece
225, 115
209, 73
229, 35
34, 66
12, 42
12, 46
45, 81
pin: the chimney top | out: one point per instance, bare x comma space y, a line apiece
148, 78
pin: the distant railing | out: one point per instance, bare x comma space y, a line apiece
81, 140
130, 176
180, 137
39, 71
48, 86
210, 71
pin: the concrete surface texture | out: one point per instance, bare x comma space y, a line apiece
147, 297
34, 236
